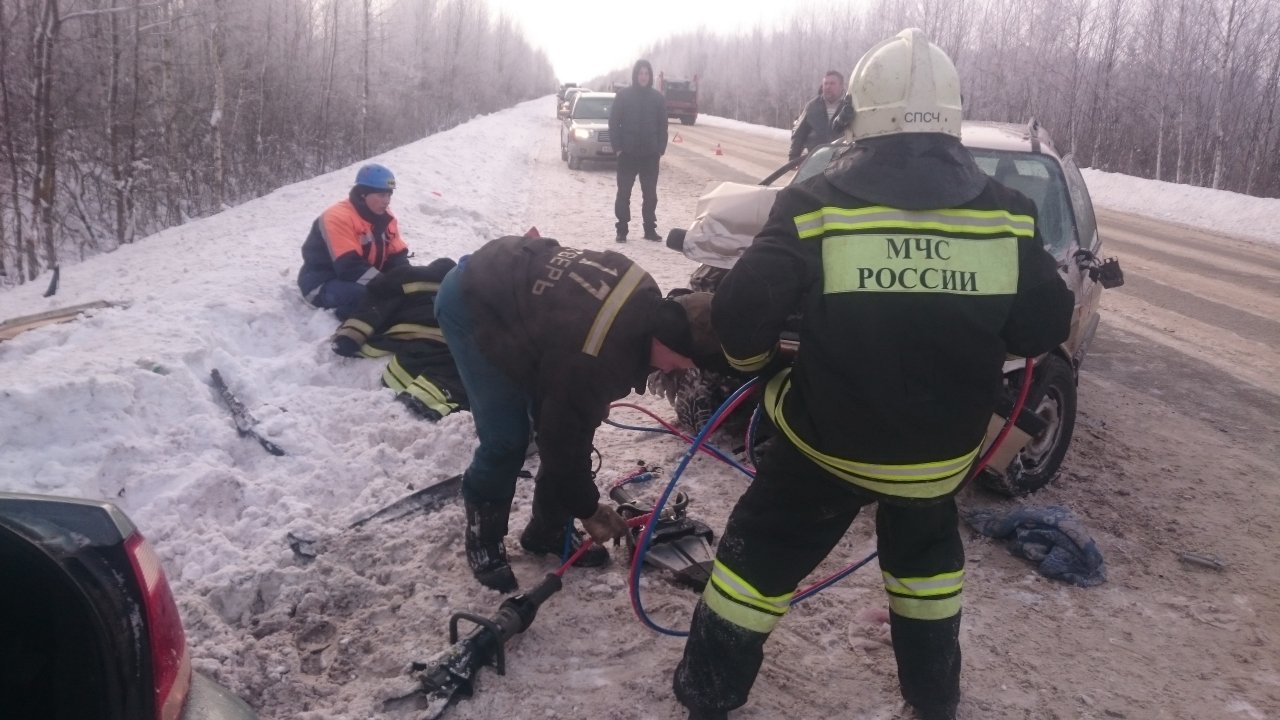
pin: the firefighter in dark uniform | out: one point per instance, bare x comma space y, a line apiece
915, 274
551, 335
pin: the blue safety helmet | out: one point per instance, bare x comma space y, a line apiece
377, 177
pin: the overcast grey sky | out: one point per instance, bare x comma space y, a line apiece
583, 40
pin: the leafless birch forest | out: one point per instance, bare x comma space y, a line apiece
119, 118
1180, 90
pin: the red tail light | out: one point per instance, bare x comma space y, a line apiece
170, 661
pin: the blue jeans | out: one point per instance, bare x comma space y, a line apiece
498, 406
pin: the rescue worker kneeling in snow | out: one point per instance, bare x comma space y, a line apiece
552, 335
351, 243
915, 275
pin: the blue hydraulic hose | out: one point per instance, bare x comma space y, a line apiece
646, 537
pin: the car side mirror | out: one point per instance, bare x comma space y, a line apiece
1107, 272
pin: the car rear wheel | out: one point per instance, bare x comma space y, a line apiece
1037, 463
688, 119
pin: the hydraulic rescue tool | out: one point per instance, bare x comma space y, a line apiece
451, 675
681, 546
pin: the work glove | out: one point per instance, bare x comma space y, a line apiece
347, 341
606, 524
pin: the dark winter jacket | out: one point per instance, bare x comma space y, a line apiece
348, 242
570, 327
638, 118
814, 128
906, 315
397, 318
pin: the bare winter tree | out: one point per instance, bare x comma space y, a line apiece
1140, 88
122, 117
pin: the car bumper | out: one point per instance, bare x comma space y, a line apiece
592, 150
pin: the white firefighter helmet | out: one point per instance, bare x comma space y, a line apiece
904, 84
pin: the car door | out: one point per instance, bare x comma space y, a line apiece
1088, 290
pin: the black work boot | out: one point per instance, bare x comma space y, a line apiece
547, 538
652, 234
487, 556
622, 232
708, 715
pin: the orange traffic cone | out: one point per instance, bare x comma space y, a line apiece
677, 139
718, 150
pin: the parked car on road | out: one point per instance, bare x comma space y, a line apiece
566, 102
584, 135
91, 627
1021, 157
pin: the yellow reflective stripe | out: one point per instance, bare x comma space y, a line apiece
398, 379
370, 351
919, 264
739, 615
610, 308
919, 480
751, 364
395, 376
935, 597
933, 609
419, 287
879, 217
940, 584
737, 601
352, 326
414, 331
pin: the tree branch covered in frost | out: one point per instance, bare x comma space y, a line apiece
160, 111
1185, 91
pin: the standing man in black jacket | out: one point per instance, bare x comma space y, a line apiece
638, 132
554, 334
915, 274
821, 120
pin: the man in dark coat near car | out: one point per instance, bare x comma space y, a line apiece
821, 120
638, 132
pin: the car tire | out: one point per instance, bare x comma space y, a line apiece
1038, 463
688, 119
575, 162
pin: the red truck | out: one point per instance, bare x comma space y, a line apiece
682, 98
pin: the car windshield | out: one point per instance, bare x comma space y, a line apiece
1039, 177
590, 108
1035, 175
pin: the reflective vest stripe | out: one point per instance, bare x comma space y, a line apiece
751, 364
921, 609
610, 308
735, 600
355, 329
879, 217
917, 480
398, 379
410, 288
414, 331
926, 598
935, 585
368, 275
